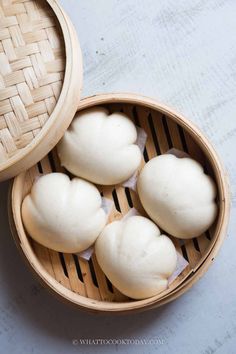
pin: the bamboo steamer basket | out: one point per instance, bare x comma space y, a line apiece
40, 81
82, 282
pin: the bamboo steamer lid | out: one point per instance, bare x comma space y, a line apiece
40, 81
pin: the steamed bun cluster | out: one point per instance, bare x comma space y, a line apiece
67, 215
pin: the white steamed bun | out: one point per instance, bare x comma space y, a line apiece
62, 214
178, 195
100, 147
135, 257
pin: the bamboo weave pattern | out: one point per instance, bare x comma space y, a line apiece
32, 65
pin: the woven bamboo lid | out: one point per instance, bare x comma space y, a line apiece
40, 81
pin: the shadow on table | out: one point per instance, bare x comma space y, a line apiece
36, 307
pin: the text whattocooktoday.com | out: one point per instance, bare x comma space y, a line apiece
118, 341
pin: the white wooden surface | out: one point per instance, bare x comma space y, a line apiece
184, 54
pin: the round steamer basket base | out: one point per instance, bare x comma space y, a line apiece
41, 80
82, 282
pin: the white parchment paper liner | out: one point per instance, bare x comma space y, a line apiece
141, 142
107, 205
178, 153
181, 265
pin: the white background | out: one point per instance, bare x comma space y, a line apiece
184, 54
